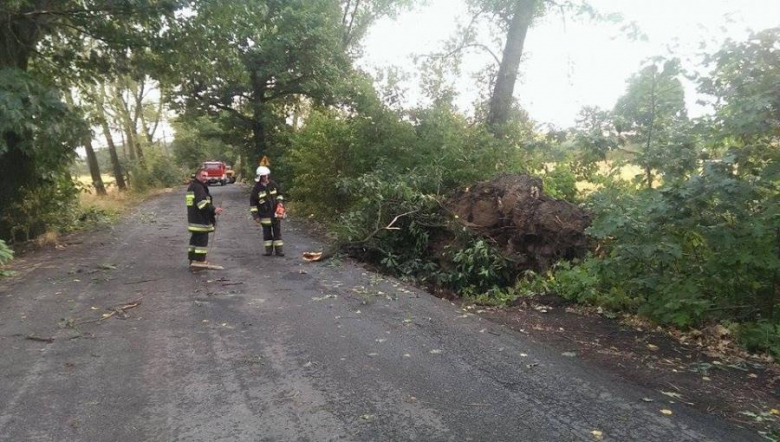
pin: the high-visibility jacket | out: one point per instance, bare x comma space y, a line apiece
263, 200
201, 213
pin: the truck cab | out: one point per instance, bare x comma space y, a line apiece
216, 172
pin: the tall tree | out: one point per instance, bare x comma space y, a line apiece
519, 15
41, 41
745, 83
127, 118
97, 95
358, 16
508, 22
92, 162
652, 117
246, 58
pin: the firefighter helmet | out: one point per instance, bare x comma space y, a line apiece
261, 171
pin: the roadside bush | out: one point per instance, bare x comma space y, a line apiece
49, 206
39, 133
561, 182
6, 255
480, 273
692, 252
435, 143
390, 221
759, 336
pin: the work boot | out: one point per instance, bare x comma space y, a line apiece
269, 250
279, 250
198, 265
205, 265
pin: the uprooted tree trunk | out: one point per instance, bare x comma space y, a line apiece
531, 229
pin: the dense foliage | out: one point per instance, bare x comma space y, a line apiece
692, 239
704, 245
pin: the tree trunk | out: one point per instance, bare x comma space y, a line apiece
129, 142
501, 100
258, 136
138, 149
128, 123
138, 94
101, 113
19, 34
145, 128
648, 170
159, 115
94, 168
120, 179
124, 144
258, 107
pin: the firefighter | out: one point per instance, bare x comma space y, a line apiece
267, 208
201, 218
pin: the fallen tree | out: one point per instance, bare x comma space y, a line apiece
479, 239
531, 229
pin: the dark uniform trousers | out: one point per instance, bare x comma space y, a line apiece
200, 220
272, 234
199, 242
263, 202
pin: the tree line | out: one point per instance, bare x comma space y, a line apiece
691, 240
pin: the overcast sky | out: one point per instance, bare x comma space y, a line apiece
569, 64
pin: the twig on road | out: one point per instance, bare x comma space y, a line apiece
39, 338
118, 310
142, 281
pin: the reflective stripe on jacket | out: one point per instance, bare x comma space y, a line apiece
200, 210
263, 199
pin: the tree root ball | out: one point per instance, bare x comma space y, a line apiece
532, 229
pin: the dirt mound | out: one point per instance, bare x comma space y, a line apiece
533, 229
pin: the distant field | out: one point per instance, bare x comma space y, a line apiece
108, 181
113, 202
627, 173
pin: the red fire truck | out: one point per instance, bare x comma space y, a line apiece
216, 172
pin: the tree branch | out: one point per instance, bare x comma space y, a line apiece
387, 227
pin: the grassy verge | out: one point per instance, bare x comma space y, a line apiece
115, 202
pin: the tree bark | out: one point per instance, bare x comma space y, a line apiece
159, 115
258, 106
124, 144
130, 141
20, 33
120, 179
128, 124
258, 136
138, 95
94, 168
145, 128
648, 170
501, 100
347, 39
101, 113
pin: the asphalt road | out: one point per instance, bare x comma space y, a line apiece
275, 349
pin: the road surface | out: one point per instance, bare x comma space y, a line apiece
275, 349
